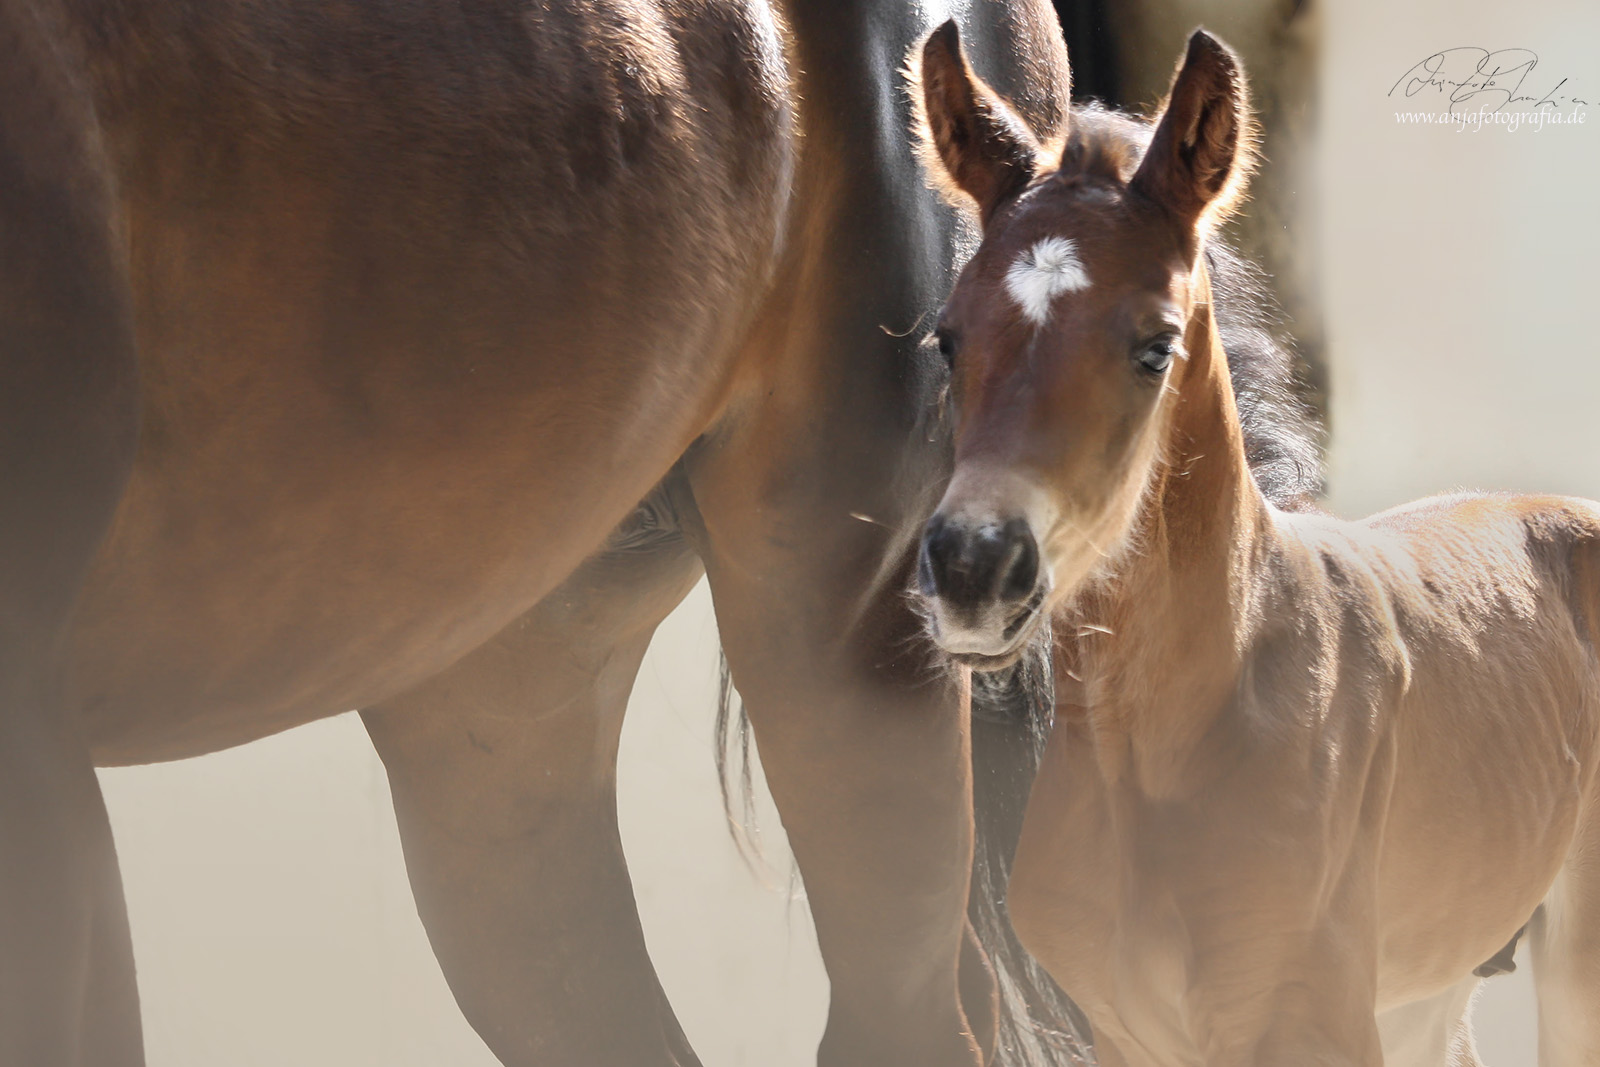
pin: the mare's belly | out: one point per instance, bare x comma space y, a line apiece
229, 604
412, 344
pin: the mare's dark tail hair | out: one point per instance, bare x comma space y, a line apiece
731, 744
1012, 712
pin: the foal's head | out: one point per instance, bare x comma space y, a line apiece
1068, 333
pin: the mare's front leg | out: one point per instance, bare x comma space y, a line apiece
68, 417
504, 778
863, 735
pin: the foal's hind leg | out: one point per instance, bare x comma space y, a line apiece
1436, 1032
1565, 940
504, 778
68, 410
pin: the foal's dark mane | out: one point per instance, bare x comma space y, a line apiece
1014, 709
1282, 435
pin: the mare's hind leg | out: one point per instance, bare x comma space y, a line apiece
504, 778
68, 413
1565, 940
866, 756
864, 741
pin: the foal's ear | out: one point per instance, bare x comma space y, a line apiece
1200, 155
989, 153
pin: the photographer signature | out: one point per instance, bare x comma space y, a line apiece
1483, 80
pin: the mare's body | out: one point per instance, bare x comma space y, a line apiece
339, 343
1311, 774
409, 292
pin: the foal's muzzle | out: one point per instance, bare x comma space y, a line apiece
983, 584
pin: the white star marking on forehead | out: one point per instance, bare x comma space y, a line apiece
1042, 273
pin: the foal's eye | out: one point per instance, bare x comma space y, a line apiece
947, 345
1156, 356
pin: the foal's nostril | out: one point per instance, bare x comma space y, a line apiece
943, 563
927, 569
969, 566
1018, 579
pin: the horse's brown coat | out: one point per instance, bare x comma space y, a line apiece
360, 306
1321, 770
423, 299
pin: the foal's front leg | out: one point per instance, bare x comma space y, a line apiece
504, 778
1315, 1004
1316, 1029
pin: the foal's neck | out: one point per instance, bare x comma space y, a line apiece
1175, 612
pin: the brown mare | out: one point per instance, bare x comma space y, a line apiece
1306, 775
340, 342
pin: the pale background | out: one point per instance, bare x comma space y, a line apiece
272, 922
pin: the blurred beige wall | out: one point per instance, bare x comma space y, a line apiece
272, 922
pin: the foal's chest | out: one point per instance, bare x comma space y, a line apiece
1117, 942
1162, 920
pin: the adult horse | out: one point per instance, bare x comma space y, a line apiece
1314, 773
338, 344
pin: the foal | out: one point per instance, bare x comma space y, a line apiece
1316, 771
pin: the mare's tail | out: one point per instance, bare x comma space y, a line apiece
1012, 711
